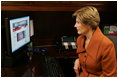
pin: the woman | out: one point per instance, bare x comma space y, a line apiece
96, 53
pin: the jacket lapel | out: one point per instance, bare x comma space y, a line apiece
80, 44
93, 44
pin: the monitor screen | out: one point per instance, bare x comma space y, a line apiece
19, 32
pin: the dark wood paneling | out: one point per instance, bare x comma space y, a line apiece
56, 5
59, 3
51, 25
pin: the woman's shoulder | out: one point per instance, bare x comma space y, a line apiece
106, 41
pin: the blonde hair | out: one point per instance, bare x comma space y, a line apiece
88, 16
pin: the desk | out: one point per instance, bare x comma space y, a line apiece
35, 67
31, 69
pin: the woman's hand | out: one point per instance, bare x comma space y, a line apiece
76, 66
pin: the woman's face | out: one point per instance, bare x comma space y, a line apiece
81, 28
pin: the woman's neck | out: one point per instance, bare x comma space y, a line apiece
89, 34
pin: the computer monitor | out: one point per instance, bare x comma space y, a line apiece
17, 33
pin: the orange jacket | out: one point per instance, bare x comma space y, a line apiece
99, 58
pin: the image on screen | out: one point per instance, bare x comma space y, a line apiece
20, 32
20, 36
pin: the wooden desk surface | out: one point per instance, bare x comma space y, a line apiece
35, 67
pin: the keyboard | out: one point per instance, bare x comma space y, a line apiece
52, 68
